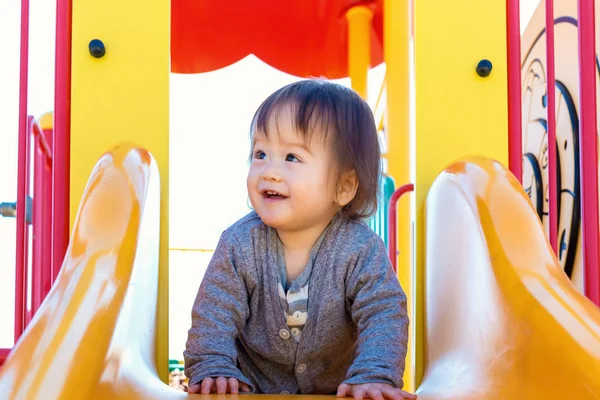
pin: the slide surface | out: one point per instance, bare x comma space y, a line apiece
502, 320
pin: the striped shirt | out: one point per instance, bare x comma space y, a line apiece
294, 297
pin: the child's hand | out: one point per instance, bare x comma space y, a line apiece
375, 391
220, 385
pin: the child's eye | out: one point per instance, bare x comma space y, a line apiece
291, 158
259, 154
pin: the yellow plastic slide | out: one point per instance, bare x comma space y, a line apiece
502, 320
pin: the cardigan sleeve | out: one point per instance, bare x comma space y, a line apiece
378, 308
219, 314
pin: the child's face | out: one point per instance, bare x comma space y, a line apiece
289, 182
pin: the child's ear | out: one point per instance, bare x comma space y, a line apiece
347, 188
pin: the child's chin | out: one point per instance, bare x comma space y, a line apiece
274, 221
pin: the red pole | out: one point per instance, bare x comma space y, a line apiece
38, 238
551, 105
392, 222
22, 181
589, 151
62, 138
513, 39
27, 264
47, 277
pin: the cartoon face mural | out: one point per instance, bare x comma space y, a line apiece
535, 140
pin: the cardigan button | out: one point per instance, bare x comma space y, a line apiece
301, 368
284, 333
284, 392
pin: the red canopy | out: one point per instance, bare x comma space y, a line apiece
300, 37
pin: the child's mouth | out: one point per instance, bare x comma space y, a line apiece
271, 195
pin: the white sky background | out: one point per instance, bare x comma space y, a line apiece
210, 115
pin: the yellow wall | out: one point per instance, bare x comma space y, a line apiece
396, 40
458, 113
123, 97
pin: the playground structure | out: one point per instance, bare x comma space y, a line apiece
493, 313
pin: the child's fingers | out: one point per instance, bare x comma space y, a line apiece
244, 387
359, 392
392, 393
221, 385
194, 388
375, 394
233, 385
343, 390
207, 384
397, 394
407, 395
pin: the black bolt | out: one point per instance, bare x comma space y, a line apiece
484, 68
97, 48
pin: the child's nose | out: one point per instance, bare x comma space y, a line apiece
272, 174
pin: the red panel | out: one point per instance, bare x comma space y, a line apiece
42, 215
302, 38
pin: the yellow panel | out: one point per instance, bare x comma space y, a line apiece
397, 126
503, 320
123, 96
458, 113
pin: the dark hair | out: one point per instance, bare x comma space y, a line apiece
346, 123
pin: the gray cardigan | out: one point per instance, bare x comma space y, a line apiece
357, 325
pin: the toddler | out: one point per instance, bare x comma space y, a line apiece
300, 296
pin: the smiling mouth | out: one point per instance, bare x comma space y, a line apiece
273, 195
